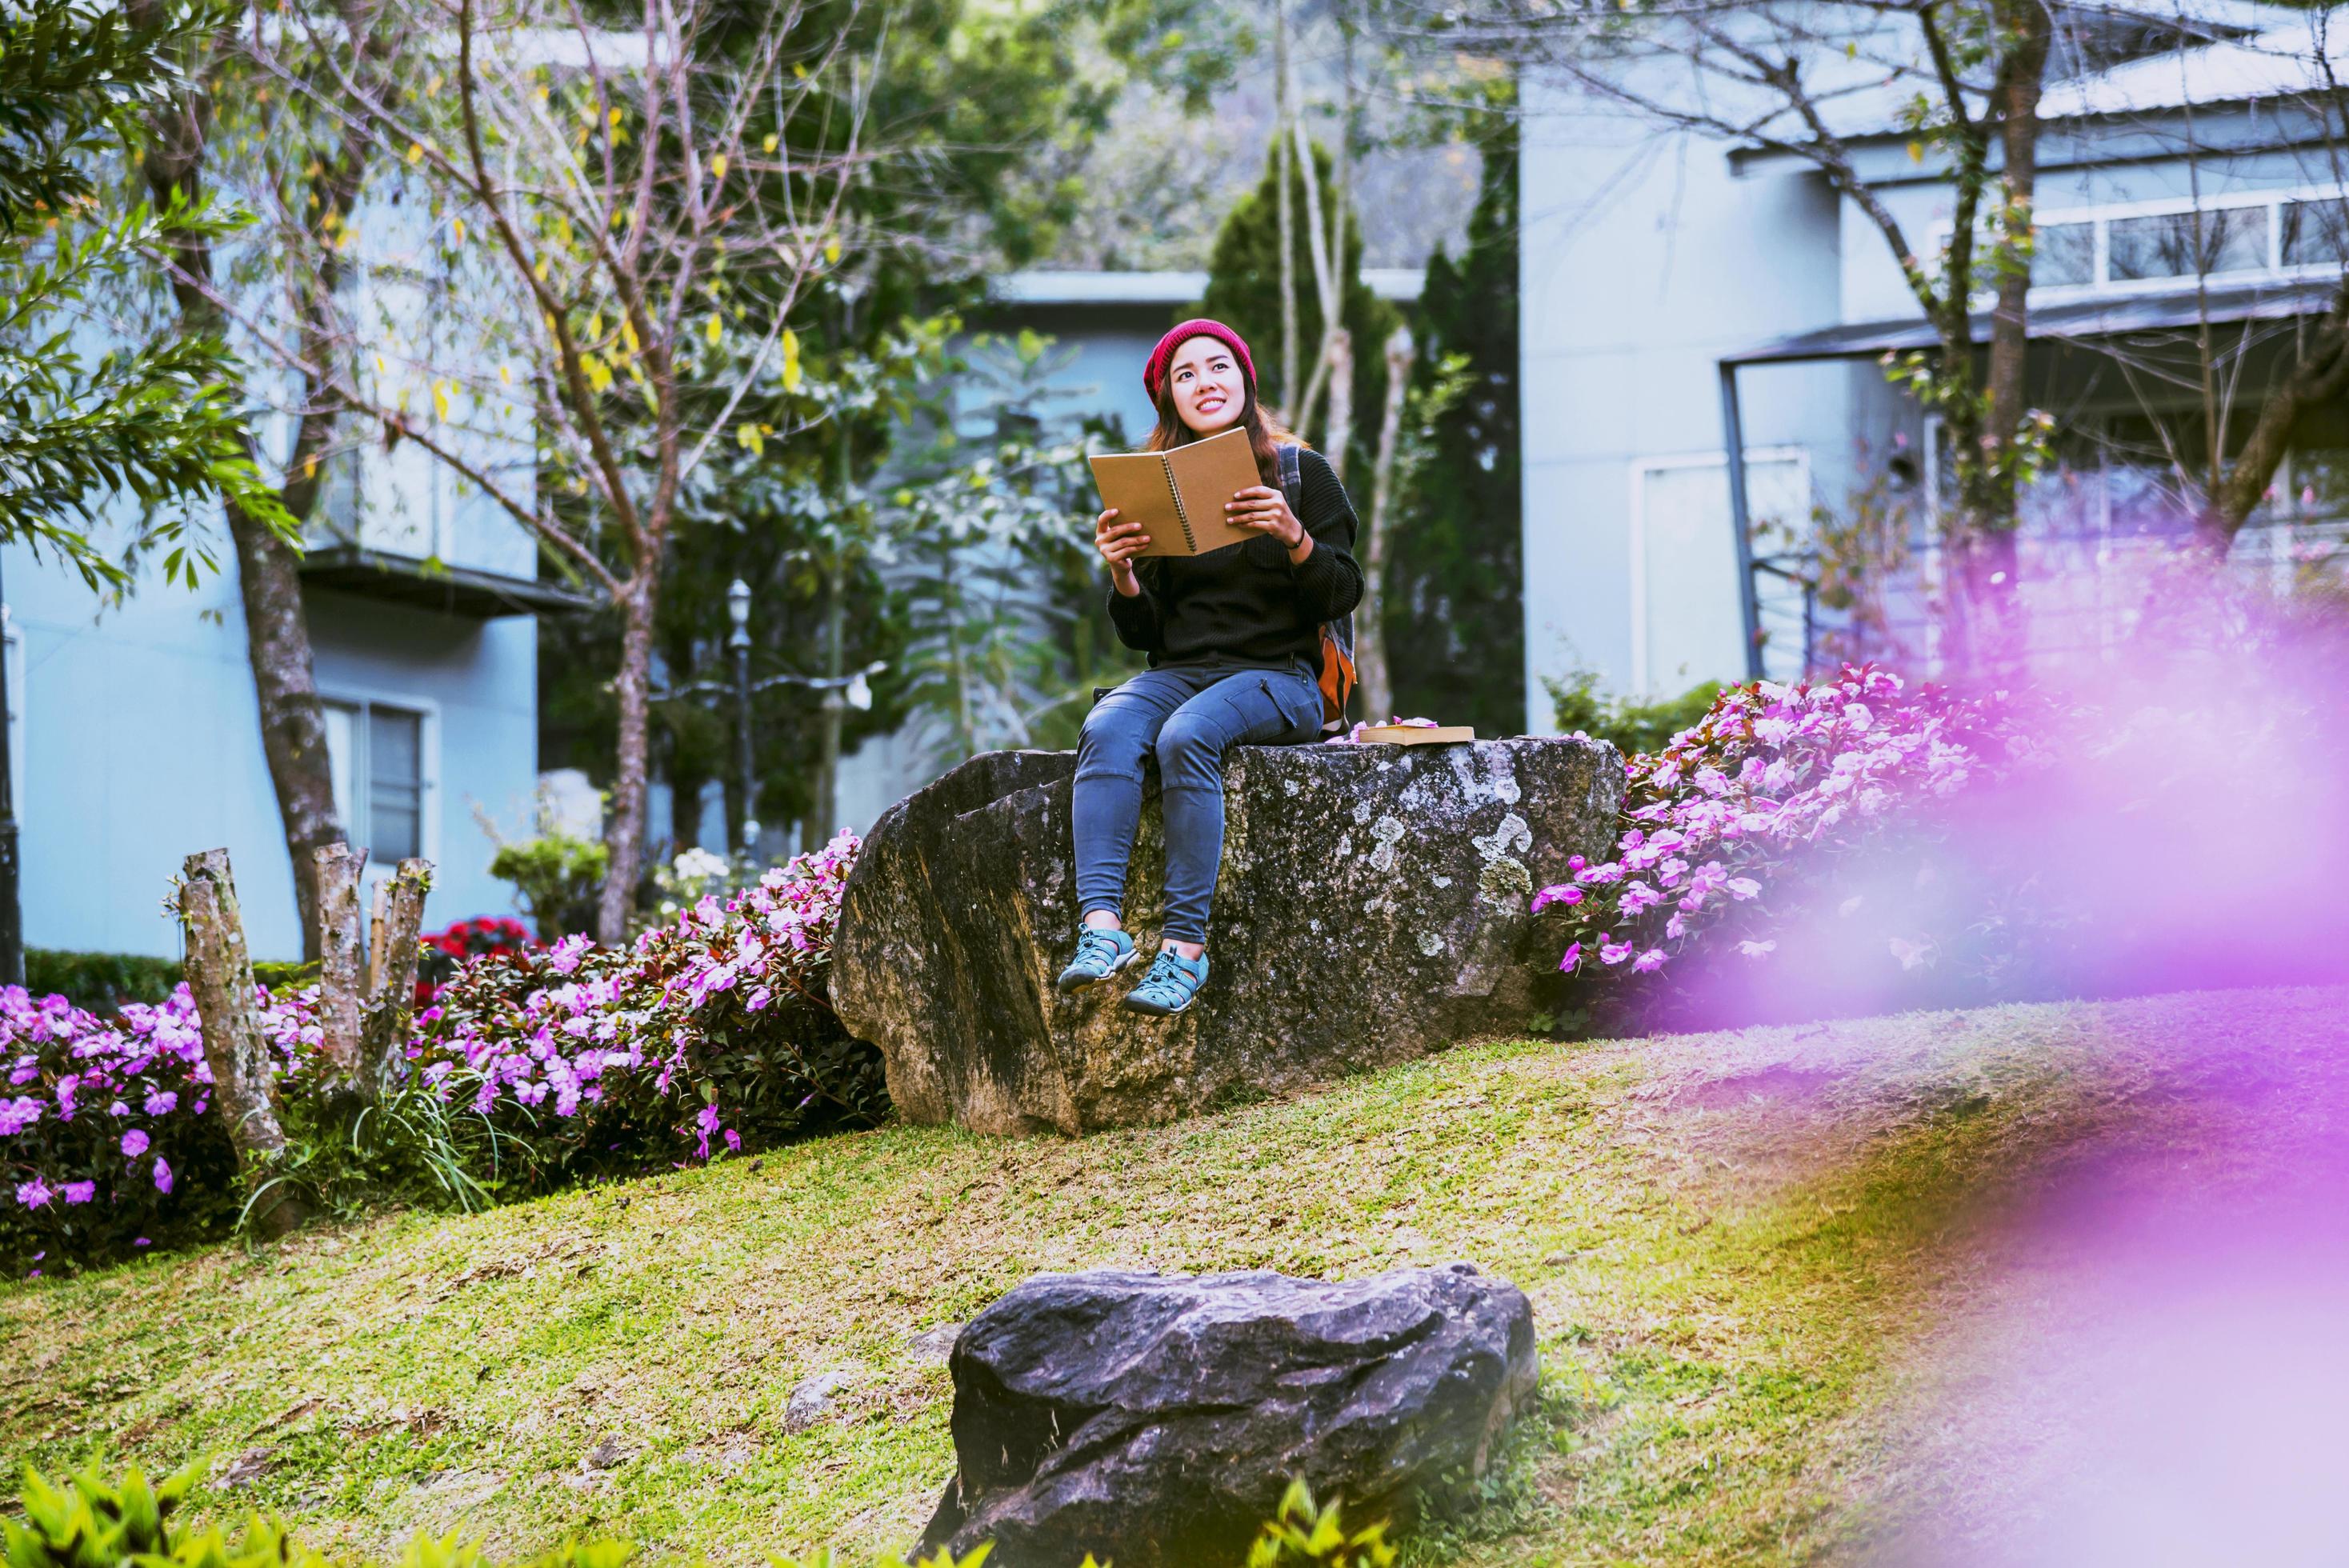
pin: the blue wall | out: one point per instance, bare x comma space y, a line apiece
141, 743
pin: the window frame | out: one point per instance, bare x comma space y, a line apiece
2103, 285
357, 829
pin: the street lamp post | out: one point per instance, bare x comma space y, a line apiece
12, 912
737, 608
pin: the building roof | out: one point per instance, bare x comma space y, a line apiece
431, 585
1170, 288
2262, 300
2237, 51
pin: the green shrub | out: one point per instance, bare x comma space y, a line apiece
88, 1523
556, 880
105, 982
1634, 726
1302, 1534
91, 1523
99, 982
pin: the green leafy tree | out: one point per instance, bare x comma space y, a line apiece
1452, 605
996, 560
86, 419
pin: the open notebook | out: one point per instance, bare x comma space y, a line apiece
1178, 496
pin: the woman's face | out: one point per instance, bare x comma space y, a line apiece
1204, 380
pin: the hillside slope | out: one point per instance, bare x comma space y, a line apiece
1738, 1247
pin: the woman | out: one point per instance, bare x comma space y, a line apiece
1233, 639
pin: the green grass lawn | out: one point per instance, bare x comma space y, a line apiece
1733, 1244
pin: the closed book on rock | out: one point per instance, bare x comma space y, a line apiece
1178, 496
1417, 734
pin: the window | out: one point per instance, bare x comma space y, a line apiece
2063, 254
375, 753
2315, 232
2189, 244
2153, 245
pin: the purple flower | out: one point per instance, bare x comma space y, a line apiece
161, 1101
1743, 888
1572, 959
17, 1114
33, 1194
134, 1143
162, 1174
1613, 952
734, 1141
1649, 962
1556, 892
79, 1191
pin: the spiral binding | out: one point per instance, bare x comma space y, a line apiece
1175, 491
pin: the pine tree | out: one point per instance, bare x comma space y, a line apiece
1453, 601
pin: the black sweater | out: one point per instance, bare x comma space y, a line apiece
1246, 600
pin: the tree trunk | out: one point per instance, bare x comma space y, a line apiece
2319, 375
1339, 436
392, 991
624, 836
1283, 106
276, 626
834, 710
220, 978
1370, 664
1326, 288
1997, 586
340, 987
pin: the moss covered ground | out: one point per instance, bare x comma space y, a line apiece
1735, 1245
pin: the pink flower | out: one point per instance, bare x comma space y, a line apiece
33, 1194
1743, 888
1613, 952
79, 1191
1757, 949
162, 1174
1649, 962
161, 1102
1572, 959
134, 1143
1558, 892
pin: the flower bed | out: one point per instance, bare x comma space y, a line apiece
710, 1030
1733, 830
709, 1034
106, 1138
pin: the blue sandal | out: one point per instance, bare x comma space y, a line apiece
1172, 985
1102, 952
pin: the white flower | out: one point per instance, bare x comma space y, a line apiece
696, 865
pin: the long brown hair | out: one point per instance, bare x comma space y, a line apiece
1265, 432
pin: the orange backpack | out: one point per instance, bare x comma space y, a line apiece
1338, 635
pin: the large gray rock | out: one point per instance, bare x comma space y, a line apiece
1154, 1421
1372, 907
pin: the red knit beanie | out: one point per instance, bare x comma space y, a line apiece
1153, 373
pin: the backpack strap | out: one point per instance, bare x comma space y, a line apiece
1292, 476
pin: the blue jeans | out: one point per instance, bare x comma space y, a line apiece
1187, 715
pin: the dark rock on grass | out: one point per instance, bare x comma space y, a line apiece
1155, 1421
1371, 906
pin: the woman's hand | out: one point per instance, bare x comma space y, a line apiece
1119, 542
1266, 510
